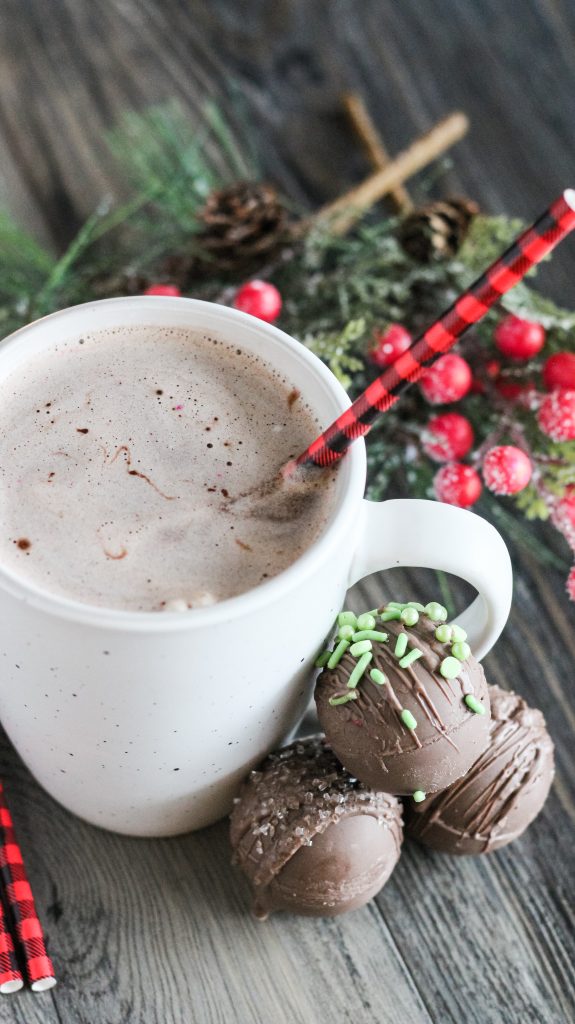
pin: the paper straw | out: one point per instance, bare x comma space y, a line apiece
10, 974
527, 250
20, 900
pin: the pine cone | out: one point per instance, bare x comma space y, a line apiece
436, 231
242, 225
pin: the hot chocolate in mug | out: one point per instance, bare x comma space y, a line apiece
145, 722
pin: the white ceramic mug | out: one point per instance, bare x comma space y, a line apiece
145, 723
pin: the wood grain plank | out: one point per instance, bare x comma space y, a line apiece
141, 930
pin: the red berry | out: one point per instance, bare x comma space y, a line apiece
448, 380
457, 484
556, 416
390, 344
517, 338
447, 437
559, 371
163, 289
566, 506
506, 469
571, 584
259, 298
563, 516
512, 390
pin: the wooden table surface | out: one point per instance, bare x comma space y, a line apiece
151, 932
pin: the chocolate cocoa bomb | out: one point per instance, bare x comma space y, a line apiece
310, 838
411, 731
502, 792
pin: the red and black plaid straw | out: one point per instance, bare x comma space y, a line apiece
10, 974
21, 903
525, 252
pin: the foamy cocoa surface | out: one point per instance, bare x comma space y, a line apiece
119, 454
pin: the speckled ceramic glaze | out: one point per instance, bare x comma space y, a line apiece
145, 723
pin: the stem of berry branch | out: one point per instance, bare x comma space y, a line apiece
342, 214
373, 145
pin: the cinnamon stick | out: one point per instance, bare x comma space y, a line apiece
349, 208
373, 145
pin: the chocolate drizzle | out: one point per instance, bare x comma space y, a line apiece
369, 735
502, 792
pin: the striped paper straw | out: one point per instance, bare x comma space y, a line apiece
21, 902
10, 974
525, 252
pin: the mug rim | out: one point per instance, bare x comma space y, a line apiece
353, 468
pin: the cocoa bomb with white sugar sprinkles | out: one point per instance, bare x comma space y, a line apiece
502, 792
310, 838
403, 702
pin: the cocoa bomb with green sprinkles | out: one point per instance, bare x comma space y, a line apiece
310, 838
403, 702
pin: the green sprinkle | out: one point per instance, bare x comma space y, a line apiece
410, 616
436, 612
400, 645
338, 654
378, 677
457, 633
418, 796
408, 720
474, 705
450, 668
345, 632
322, 659
359, 670
370, 634
396, 604
410, 657
415, 604
366, 621
352, 695
362, 647
389, 614
443, 634
346, 619
461, 650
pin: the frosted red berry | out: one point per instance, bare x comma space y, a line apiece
447, 437
447, 380
506, 469
163, 289
389, 344
260, 299
566, 508
556, 416
559, 371
519, 339
457, 484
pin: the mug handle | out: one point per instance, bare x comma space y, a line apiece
414, 532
